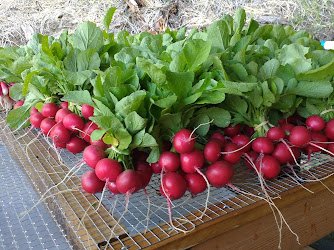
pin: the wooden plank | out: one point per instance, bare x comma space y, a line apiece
68, 208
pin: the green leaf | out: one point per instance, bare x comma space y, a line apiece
166, 102
88, 59
123, 137
134, 122
19, 118
27, 81
70, 61
269, 69
78, 96
77, 78
239, 20
220, 117
130, 103
201, 122
87, 36
218, 34
108, 123
240, 71
171, 122
236, 104
314, 89
211, 97
180, 82
196, 52
154, 155
102, 108
15, 91
156, 74
108, 17
20, 65
268, 96
148, 141
178, 63
321, 73
97, 134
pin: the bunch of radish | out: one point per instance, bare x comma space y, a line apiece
6, 102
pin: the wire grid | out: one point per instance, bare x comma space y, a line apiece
145, 222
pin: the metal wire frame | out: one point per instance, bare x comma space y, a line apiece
142, 225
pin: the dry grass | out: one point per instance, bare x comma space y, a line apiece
20, 18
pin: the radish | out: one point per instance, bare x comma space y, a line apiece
47, 124
287, 127
282, 153
166, 146
212, 150
108, 169
76, 145
329, 129
87, 130
263, 145
243, 142
33, 110
36, 119
276, 133
87, 111
232, 153
220, 173
250, 159
60, 134
173, 186
192, 161
64, 105
61, 113
113, 187
268, 167
99, 143
18, 104
300, 136
318, 143
92, 155
169, 161
4, 88
195, 183
232, 130
145, 171
156, 168
49, 109
60, 145
248, 130
91, 183
128, 182
184, 141
73, 122
138, 155
295, 155
330, 148
218, 137
315, 123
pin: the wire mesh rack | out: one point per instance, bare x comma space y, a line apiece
30, 163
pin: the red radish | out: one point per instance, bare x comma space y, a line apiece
92, 155
220, 173
87, 111
250, 156
169, 161
268, 167
296, 119
300, 136
241, 141
73, 122
49, 109
108, 169
156, 168
191, 161
60, 134
184, 141
138, 155
284, 121
91, 183
212, 150
329, 129
232, 153
232, 130
99, 143
219, 138
287, 126
61, 113
113, 188
263, 145
281, 153
315, 123
4, 88
76, 145
33, 110
47, 124
195, 183
296, 155
87, 130
145, 171
36, 119
128, 182
173, 185
276, 133
60, 145
18, 104
319, 140
331, 147
64, 105
166, 146
248, 130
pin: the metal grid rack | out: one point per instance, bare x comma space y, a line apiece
85, 224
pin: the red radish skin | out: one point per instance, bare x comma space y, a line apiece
128, 182
281, 153
47, 124
18, 104
87, 130
329, 129
60, 134
61, 113
248, 130
156, 168
49, 109
138, 155
315, 123
113, 188
184, 141
268, 167
76, 145
60, 145
296, 154
99, 143
195, 183
191, 161
241, 141
91, 183
212, 151
36, 119
253, 156
169, 161
218, 137
263, 145
231, 153
108, 169
87, 111
173, 186
73, 122
166, 146
232, 131
33, 110
331, 147
276, 133
220, 173
287, 127
300, 136
64, 105
145, 171
92, 155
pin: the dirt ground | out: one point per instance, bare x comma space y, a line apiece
19, 19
